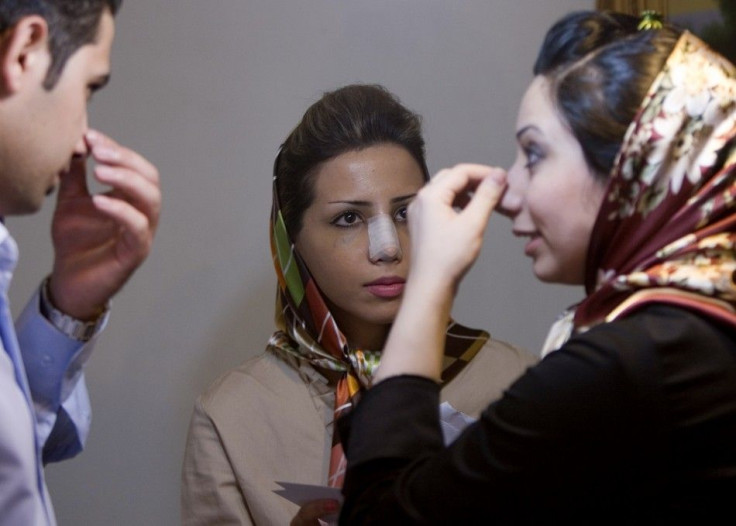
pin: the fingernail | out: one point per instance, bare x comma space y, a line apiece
498, 177
331, 506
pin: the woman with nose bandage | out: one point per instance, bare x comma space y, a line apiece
343, 181
383, 240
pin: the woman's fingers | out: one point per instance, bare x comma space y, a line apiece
458, 182
448, 217
485, 198
311, 513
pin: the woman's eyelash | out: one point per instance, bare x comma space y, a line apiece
350, 218
400, 214
533, 155
346, 219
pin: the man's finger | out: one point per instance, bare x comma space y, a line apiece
106, 151
132, 187
136, 230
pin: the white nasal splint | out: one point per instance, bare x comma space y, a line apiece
383, 241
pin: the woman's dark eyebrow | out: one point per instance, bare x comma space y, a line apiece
368, 203
403, 197
524, 130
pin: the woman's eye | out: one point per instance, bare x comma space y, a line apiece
401, 213
346, 219
533, 156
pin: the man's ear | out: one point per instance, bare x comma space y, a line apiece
24, 53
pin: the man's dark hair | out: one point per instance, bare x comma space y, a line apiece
72, 24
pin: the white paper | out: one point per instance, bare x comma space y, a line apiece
300, 494
453, 422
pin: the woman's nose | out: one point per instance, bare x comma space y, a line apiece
511, 201
509, 204
383, 240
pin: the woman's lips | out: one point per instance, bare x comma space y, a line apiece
386, 287
531, 247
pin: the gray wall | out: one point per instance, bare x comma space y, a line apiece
207, 90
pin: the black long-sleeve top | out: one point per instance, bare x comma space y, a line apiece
632, 422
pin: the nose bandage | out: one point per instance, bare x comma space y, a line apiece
383, 241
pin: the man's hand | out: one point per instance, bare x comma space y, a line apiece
100, 240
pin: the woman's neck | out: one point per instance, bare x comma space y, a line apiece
364, 337
368, 338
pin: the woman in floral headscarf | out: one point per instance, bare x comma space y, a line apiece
625, 182
342, 182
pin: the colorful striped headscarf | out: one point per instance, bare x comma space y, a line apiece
665, 230
307, 330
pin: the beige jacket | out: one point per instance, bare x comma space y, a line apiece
268, 420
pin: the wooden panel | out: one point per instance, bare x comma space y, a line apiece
633, 7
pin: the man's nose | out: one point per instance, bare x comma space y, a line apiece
80, 148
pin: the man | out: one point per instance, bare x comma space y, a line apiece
53, 55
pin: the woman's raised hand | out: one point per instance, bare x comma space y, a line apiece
446, 223
447, 220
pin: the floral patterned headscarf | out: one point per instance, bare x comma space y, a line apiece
307, 331
665, 230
